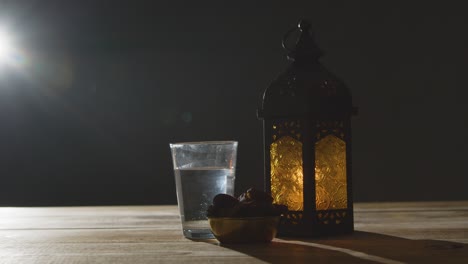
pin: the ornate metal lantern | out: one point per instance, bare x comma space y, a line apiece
306, 115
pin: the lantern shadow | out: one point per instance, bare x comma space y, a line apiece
359, 247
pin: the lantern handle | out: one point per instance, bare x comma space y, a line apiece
285, 37
303, 26
305, 46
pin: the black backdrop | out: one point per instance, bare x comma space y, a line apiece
100, 88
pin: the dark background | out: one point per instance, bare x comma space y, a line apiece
102, 87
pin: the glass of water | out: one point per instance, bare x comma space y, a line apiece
202, 170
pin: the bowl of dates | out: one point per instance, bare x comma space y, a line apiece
250, 218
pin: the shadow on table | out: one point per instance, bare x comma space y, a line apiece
359, 247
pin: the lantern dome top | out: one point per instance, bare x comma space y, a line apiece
306, 88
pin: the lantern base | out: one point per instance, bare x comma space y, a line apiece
320, 223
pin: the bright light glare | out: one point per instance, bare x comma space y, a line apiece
5, 45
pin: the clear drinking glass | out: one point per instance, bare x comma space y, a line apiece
202, 170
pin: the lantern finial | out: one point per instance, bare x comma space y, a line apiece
305, 49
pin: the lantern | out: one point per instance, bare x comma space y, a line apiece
306, 115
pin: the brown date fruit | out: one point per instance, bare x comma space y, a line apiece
224, 201
258, 196
252, 203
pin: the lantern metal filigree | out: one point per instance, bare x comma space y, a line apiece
306, 115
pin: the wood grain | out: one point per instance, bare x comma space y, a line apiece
429, 232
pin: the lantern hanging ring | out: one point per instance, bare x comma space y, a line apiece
303, 26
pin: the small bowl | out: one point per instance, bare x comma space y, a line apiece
244, 229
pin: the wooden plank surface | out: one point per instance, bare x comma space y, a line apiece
429, 232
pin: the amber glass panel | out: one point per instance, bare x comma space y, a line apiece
330, 173
286, 172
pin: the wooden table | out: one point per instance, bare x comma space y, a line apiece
435, 232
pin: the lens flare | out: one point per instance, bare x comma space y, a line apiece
5, 45
11, 54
